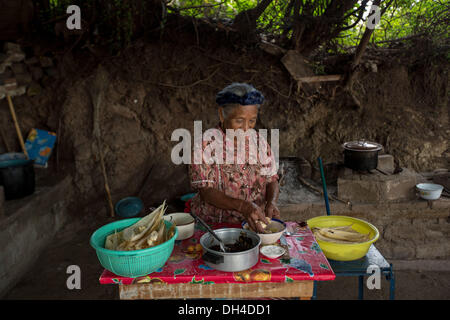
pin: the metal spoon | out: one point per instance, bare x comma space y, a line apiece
211, 231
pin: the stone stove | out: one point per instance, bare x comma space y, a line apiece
376, 186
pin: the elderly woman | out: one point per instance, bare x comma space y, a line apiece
240, 190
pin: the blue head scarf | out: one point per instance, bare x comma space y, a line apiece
252, 97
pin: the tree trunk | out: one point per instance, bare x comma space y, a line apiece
359, 53
245, 22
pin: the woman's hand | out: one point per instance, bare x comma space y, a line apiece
252, 213
272, 211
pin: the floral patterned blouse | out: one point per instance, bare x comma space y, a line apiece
246, 178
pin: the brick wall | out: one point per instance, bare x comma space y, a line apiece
408, 230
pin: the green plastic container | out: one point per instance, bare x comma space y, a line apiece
132, 264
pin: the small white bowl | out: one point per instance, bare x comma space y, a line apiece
270, 238
429, 191
185, 224
272, 252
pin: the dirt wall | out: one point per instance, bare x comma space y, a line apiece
155, 88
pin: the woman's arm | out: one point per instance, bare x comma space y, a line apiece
251, 211
272, 192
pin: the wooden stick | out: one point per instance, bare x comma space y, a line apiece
16, 124
332, 77
97, 92
105, 179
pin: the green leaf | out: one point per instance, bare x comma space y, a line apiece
179, 271
202, 281
324, 266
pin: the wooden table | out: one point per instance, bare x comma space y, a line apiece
186, 276
298, 289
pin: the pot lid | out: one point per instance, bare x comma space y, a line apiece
362, 145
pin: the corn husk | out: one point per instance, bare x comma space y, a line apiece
139, 229
146, 233
343, 234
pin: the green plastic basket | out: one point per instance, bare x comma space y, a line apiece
132, 264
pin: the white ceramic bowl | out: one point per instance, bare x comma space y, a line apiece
272, 252
185, 224
429, 191
270, 238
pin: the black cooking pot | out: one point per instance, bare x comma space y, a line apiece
361, 155
16, 175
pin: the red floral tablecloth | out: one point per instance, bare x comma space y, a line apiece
305, 262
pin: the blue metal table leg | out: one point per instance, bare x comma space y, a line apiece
392, 283
314, 296
361, 288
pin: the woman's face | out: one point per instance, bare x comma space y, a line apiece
241, 117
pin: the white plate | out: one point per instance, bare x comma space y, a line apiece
272, 252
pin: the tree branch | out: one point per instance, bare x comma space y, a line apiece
196, 7
245, 21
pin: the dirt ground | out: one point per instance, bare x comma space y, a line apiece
47, 278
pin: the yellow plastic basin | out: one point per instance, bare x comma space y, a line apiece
344, 251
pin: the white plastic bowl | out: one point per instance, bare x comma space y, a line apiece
185, 224
270, 238
272, 252
429, 191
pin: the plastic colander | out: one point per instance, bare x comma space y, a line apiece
132, 264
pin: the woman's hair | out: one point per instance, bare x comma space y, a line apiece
237, 94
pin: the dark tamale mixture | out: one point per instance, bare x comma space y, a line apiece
244, 243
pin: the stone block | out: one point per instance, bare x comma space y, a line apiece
377, 187
46, 62
403, 251
344, 172
13, 47
32, 61
386, 163
36, 72
51, 72
401, 188
402, 231
358, 190
15, 57
18, 68
34, 89
18, 91
23, 78
439, 250
7, 74
5, 64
